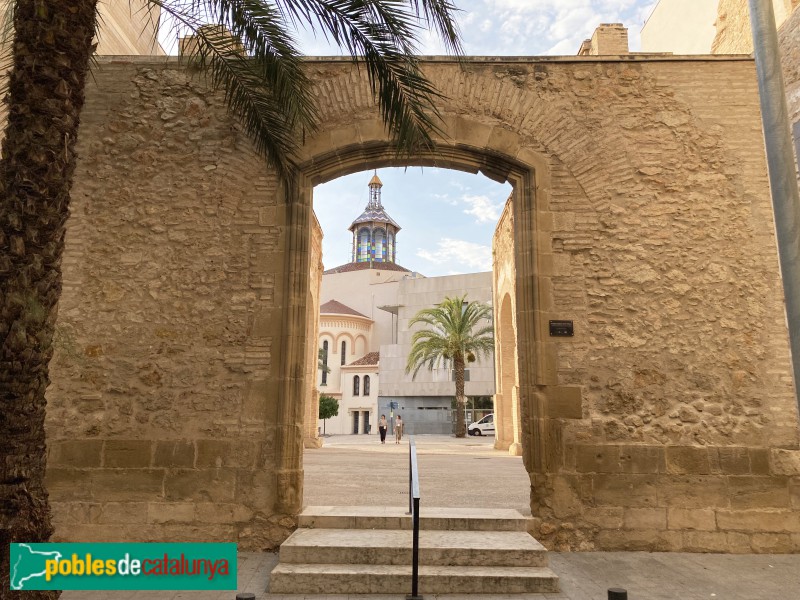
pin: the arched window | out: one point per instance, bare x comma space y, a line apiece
390, 247
366, 385
363, 245
379, 246
324, 363
344, 352
356, 385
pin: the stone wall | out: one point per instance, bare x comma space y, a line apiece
507, 412
734, 35
162, 412
641, 212
789, 37
310, 422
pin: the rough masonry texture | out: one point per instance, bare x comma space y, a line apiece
640, 210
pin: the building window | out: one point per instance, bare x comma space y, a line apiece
356, 385
324, 363
366, 385
344, 352
379, 251
363, 245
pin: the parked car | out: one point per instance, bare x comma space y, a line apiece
483, 427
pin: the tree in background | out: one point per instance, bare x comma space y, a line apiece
321, 358
454, 333
247, 49
328, 407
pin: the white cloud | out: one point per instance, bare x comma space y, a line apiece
483, 209
452, 253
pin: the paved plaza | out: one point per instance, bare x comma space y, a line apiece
358, 470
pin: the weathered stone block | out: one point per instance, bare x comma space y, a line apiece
642, 459
226, 453
564, 402
734, 460
692, 491
597, 459
255, 489
794, 492
772, 543
222, 513
75, 453
174, 454
566, 499
206, 485
759, 461
705, 541
687, 459
785, 462
625, 490
759, 492
126, 454
645, 518
739, 543
505, 140
123, 512
69, 514
605, 517
169, 512
259, 400
67, 484
127, 484
695, 518
646, 540
185, 532
778, 521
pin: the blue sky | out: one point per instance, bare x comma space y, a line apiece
448, 217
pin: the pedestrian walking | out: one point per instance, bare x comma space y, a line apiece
383, 427
398, 430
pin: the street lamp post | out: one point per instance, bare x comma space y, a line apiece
780, 163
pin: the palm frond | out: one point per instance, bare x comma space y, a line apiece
254, 58
380, 34
450, 331
439, 14
248, 52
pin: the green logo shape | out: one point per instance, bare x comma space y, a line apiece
122, 566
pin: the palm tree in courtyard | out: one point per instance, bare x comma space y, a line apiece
455, 332
250, 53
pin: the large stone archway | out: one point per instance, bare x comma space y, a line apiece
640, 212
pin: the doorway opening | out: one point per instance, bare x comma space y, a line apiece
395, 241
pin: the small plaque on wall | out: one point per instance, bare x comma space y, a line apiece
561, 329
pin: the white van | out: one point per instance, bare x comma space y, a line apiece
483, 427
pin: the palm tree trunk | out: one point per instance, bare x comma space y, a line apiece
52, 49
461, 399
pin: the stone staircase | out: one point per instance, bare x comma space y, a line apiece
367, 550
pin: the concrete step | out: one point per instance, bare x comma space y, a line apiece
393, 547
395, 517
396, 579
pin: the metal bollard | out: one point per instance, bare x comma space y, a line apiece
617, 594
245, 596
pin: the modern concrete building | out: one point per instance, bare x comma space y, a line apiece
425, 402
